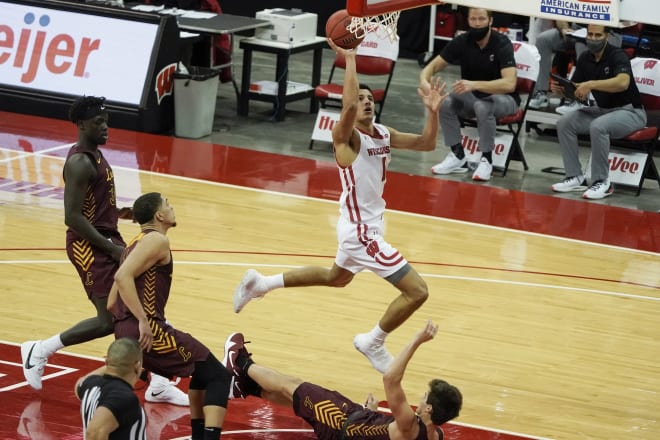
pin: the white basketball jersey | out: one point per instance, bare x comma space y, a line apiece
363, 181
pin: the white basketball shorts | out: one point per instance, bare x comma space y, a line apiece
362, 246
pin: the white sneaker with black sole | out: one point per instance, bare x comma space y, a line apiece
569, 184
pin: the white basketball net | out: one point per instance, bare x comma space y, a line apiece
384, 25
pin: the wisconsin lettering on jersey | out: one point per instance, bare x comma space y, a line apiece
364, 180
378, 151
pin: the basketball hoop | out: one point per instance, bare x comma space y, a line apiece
384, 25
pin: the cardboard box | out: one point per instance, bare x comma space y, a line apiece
287, 25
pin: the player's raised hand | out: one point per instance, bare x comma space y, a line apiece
427, 333
433, 94
341, 50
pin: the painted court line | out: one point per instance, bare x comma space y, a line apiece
303, 197
427, 275
24, 154
62, 372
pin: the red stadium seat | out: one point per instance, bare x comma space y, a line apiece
376, 57
646, 72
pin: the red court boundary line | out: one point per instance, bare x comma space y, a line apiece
426, 263
545, 214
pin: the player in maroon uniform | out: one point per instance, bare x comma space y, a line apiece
335, 417
138, 300
93, 243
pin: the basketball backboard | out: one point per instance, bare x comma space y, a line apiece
363, 8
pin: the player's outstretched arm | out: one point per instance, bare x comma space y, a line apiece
432, 97
403, 414
343, 129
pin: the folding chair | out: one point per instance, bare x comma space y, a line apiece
375, 57
527, 62
646, 71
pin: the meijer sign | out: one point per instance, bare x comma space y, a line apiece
72, 53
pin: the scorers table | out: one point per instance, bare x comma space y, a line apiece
282, 51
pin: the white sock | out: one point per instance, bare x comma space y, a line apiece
377, 334
274, 281
51, 345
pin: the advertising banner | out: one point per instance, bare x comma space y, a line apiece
604, 12
470, 142
73, 53
647, 75
626, 167
325, 120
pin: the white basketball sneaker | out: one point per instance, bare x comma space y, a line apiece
162, 390
450, 164
380, 358
570, 107
539, 100
483, 171
575, 183
599, 190
252, 286
34, 363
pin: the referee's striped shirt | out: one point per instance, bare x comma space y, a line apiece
117, 396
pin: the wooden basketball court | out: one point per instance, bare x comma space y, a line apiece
545, 335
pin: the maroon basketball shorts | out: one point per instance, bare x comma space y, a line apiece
95, 268
325, 410
173, 352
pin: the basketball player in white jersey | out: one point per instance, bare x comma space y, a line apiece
362, 152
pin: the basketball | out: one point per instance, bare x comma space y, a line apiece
336, 30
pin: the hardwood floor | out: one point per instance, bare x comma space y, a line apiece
544, 335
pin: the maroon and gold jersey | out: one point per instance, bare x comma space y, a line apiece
96, 268
333, 416
153, 286
100, 206
173, 352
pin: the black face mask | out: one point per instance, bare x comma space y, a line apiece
595, 46
477, 34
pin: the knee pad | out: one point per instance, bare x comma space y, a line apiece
208, 371
217, 393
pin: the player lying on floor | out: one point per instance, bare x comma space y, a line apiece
335, 417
